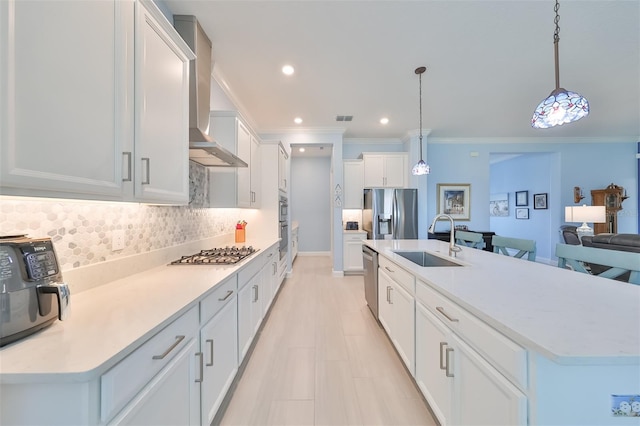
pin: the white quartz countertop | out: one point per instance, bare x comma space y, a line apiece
108, 322
566, 316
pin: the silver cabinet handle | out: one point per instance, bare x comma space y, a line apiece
172, 347
390, 299
448, 360
127, 155
229, 293
146, 180
388, 289
442, 366
255, 293
210, 342
441, 310
201, 376
390, 270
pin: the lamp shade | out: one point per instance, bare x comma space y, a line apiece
584, 213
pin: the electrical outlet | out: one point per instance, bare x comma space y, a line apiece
117, 240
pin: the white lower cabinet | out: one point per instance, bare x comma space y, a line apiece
462, 386
176, 386
352, 250
396, 312
219, 348
250, 312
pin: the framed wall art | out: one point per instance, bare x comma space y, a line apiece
540, 201
522, 213
522, 198
454, 199
499, 205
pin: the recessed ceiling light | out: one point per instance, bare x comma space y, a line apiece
384, 120
301, 150
287, 69
297, 120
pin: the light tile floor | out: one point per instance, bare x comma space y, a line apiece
322, 359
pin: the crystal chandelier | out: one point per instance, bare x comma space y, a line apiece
421, 168
561, 106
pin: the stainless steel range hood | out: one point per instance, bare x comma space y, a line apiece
202, 148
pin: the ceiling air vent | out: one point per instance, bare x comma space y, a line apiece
344, 117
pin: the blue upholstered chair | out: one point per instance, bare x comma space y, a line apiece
620, 262
469, 239
501, 244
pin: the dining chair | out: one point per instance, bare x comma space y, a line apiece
502, 244
620, 262
470, 239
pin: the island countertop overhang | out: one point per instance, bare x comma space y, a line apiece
566, 316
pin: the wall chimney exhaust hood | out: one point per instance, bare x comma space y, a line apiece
202, 148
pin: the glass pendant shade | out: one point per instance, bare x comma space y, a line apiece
421, 168
559, 108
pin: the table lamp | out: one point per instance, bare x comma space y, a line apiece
584, 214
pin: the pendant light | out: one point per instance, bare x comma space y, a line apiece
421, 168
562, 106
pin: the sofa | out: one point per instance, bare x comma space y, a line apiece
622, 242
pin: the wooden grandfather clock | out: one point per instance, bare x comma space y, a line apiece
611, 197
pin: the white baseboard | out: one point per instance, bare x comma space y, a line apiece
337, 274
314, 253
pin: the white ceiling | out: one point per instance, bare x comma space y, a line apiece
489, 63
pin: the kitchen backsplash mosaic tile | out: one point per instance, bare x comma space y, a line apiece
81, 231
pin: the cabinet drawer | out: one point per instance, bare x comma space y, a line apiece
221, 295
354, 237
399, 275
503, 353
254, 265
120, 384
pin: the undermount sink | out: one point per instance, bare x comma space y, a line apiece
422, 258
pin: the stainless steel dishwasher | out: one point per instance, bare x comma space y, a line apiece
370, 262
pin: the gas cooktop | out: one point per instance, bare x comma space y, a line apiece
220, 256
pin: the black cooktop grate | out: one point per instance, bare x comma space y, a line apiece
219, 255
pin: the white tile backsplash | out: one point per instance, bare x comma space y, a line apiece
81, 230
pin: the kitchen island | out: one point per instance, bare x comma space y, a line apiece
556, 345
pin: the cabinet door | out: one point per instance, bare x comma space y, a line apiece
65, 83
282, 169
403, 337
353, 184
353, 252
244, 173
256, 173
385, 311
431, 344
171, 398
162, 120
245, 320
219, 345
395, 171
483, 396
373, 171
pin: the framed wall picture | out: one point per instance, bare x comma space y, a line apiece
454, 199
540, 201
499, 205
522, 198
522, 213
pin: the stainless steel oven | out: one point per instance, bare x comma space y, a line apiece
284, 226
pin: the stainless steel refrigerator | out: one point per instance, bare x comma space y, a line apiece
390, 213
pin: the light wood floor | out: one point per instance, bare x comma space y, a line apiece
322, 359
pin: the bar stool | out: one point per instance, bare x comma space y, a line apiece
621, 262
470, 239
501, 244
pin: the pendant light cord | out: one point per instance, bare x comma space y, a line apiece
556, 42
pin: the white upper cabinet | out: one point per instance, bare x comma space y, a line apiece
385, 170
353, 184
72, 122
231, 186
283, 159
162, 113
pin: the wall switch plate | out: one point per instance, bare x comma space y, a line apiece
117, 240
625, 405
